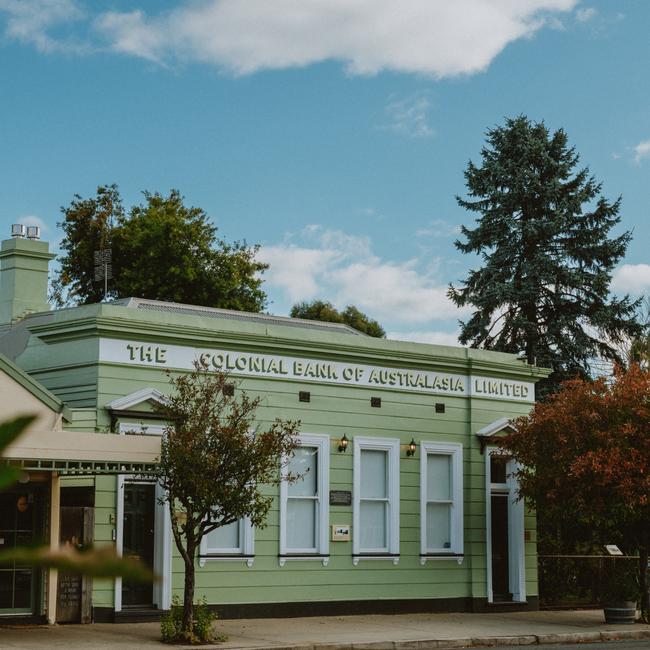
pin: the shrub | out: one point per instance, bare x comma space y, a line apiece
171, 624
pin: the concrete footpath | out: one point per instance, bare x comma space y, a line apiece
400, 632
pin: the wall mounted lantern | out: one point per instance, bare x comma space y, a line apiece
410, 449
343, 445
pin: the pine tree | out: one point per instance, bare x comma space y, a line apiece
544, 238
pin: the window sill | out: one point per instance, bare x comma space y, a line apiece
303, 557
376, 556
226, 558
427, 557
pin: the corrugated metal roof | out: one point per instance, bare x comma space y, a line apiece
228, 314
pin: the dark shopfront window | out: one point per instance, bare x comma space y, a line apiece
20, 525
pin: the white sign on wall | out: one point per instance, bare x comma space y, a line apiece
272, 366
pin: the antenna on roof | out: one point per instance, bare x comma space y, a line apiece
104, 267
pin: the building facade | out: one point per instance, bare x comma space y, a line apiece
406, 505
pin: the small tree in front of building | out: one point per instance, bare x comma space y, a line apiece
584, 457
214, 463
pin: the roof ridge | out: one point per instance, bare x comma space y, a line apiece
29, 383
160, 305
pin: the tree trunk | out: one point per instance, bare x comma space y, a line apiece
188, 596
643, 583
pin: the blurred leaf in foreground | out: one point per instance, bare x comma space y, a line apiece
9, 431
96, 563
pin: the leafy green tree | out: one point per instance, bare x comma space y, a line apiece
162, 250
89, 225
214, 464
325, 311
544, 237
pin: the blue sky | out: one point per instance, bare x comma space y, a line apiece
332, 132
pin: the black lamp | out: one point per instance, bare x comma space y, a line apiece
410, 449
343, 446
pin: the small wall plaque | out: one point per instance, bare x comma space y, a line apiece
340, 498
340, 533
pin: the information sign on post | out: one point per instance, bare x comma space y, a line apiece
612, 549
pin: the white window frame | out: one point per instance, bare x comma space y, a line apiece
392, 447
455, 451
245, 551
321, 550
142, 428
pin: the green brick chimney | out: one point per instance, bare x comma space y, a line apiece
23, 275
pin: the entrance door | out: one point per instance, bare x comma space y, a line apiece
500, 554
138, 539
74, 592
20, 525
506, 579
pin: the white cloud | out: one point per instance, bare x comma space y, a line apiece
409, 117
441, 39
631, 278
33, 220
586, 14
342, 268
295, 270
641, 151
439, 228
367, 212
30, 21
434, 337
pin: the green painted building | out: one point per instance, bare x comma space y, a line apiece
406, 505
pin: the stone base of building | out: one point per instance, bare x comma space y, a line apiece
329, 608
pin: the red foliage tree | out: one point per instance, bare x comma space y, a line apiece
585, 454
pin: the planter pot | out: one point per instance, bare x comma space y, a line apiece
620, 612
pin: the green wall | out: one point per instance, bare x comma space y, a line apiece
335, 410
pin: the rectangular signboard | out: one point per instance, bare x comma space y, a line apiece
340, 498
274, 366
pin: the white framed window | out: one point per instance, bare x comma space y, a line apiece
441, 500
232, 542
375, 515
304, 504
142, 428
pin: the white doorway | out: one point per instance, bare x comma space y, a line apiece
506, 566
161, 553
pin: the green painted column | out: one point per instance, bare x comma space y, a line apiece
23, 278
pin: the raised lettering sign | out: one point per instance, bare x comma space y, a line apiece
274, 366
